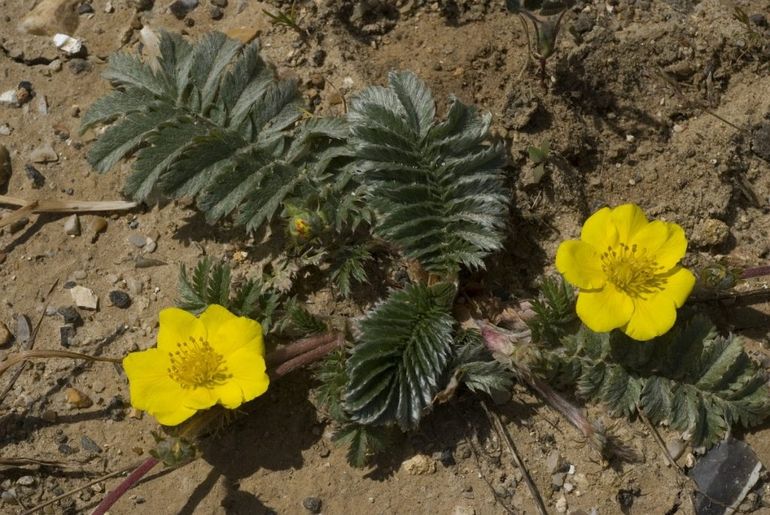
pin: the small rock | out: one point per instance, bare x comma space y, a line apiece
319, 56
67, 44
760, 20
568, 487
108, 7
9, 496
44, 154
51, 16
34, 175
50, 416
98, 226
5, 167
72, 226
135, 286
676, 447
66, 335
55, 65
557, 480
120, 299
66, 449
141, 5
79, 65
312, 504
216, 13
584, 23
137, 240
85, 9
25, 481
84, 297
89, 445
243, 34
760, 140
561, 505
554, 462
711, 233
151, 246
6, 338
5, 129
70, 315
419, 465
181, 8
9, 98
77, 399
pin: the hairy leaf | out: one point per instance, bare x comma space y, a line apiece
692, 379
404, 351
435, 187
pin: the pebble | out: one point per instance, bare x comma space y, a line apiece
676, 447
216, 13
79, 275
134, 285
419, 465
44, 154
5, 129
557, 480
84, 297
151, 246
6, 338
243, 34
137, 240
120, 299
9, 98
70, 315
319, 56
34, 175
55, 65
98, 226
554, 462
72, 226
79, 65
50, 17
66, 449
181, 8
711, 233
9, 496
66, 335
25, 481
50, 416
5, 166
67, 44
561, 505
312, 504
568, 487
89, 445
77, 399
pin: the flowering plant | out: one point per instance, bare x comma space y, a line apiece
217, 358
627, 271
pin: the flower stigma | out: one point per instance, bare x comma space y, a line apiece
195, 364
631, 270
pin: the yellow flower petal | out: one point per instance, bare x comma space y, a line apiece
235, 333
249, 378
176, 326
198, 398
679, 285
580, 264
152, 390
214, 317
652, 317
674, 248
599, 231
604, 310
628, 220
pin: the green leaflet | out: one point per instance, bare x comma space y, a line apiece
692, 379
435, 187
404, 351
212, 121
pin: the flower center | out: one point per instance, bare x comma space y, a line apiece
631, 270
195, 364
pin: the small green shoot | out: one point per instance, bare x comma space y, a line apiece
287, 19
539, 157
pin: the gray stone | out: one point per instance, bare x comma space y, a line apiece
84, 297
44, 154
72, 226
312, 504
51, 16
25, 481
554, 462
9, 98
137, 240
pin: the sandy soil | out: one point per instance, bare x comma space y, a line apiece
618, 132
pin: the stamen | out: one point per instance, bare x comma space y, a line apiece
631, 270
195, 364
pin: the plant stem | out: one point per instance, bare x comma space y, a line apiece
133, 478
757, 271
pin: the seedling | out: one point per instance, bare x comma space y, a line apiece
287, 18
539, 157
546, 25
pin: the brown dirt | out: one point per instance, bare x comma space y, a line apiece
618, 132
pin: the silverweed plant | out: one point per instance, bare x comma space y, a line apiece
390, 184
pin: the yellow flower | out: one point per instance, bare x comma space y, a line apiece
627, 271
217, 358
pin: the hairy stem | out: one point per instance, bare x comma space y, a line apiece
133, 478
